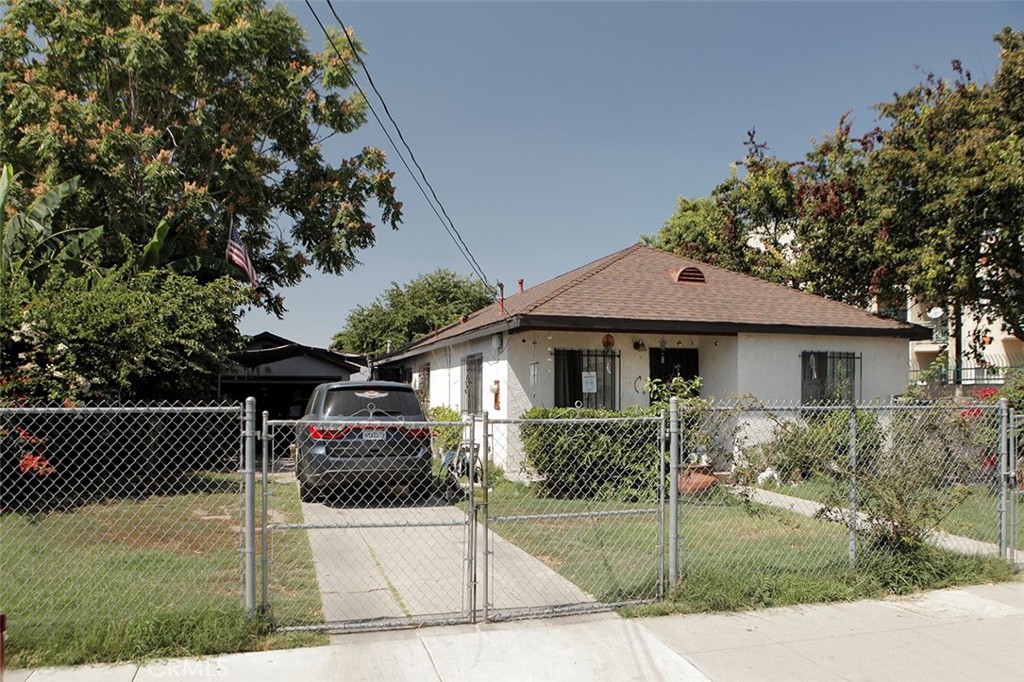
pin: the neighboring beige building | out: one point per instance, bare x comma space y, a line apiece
1000, 350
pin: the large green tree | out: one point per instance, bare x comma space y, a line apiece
929, 204
203, 115
947, 187
406, 312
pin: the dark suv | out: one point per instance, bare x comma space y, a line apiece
362, 432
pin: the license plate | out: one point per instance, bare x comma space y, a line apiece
374, 434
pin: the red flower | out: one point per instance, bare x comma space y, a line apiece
35, 463
25, 435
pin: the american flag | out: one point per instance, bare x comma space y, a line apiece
238, 255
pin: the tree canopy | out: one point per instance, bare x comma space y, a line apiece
929, 204
406, 312
201, 115
71, 329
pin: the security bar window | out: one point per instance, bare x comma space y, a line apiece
473, 383
829, 377
589, 377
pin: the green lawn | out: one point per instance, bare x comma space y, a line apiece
124, 579
292, 590
614, 558
732, 554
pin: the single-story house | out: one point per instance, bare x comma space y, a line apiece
282, 374
595, 335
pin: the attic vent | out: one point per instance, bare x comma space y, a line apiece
690, 275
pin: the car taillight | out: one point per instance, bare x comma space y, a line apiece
328, 434
417, 433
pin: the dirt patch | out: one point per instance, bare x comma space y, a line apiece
182, 526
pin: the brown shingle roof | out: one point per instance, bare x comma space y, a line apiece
635, 290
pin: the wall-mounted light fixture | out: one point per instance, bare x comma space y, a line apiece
607, 341
639, 345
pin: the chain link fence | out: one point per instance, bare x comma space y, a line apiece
371, 519
575, 514
129, 514
825, 492
115, 516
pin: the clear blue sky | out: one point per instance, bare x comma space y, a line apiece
557, 133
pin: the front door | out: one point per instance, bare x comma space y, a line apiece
669, 363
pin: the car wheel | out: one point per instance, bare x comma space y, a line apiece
307, 493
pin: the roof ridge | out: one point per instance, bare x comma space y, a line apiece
582, 277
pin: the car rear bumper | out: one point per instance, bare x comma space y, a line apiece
322, 471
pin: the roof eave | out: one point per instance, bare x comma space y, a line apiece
426, 345
910, 332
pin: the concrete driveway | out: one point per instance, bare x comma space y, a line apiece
407, 562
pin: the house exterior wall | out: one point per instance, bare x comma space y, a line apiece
1002, 350
447, 382
769, 364
529, 363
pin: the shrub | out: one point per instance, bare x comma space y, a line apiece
1013, 389
604, 460
446, 438
818, 445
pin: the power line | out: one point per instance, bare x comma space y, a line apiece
449, 226
398, 129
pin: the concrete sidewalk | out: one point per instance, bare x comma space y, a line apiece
973, 633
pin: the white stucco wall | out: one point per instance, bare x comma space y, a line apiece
716, 357
763, 365
769, 364
446, 380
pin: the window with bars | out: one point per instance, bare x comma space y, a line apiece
829, 376
589, 377
473, 383
423, 385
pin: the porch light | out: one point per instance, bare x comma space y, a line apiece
608, 341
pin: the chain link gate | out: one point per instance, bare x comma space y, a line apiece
574, 511
489, 535
364, 543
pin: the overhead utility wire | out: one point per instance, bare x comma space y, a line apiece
412, 156
449, 228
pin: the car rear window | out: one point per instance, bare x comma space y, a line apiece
355, 402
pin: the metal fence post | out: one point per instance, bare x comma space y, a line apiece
249, 435
1004, 456
1013, 485
265, 438
471, 526
853, 487
485, 429
673, 500
661, 505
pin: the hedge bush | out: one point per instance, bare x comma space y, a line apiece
616, 459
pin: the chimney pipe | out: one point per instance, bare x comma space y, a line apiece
501, 297
520, 285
